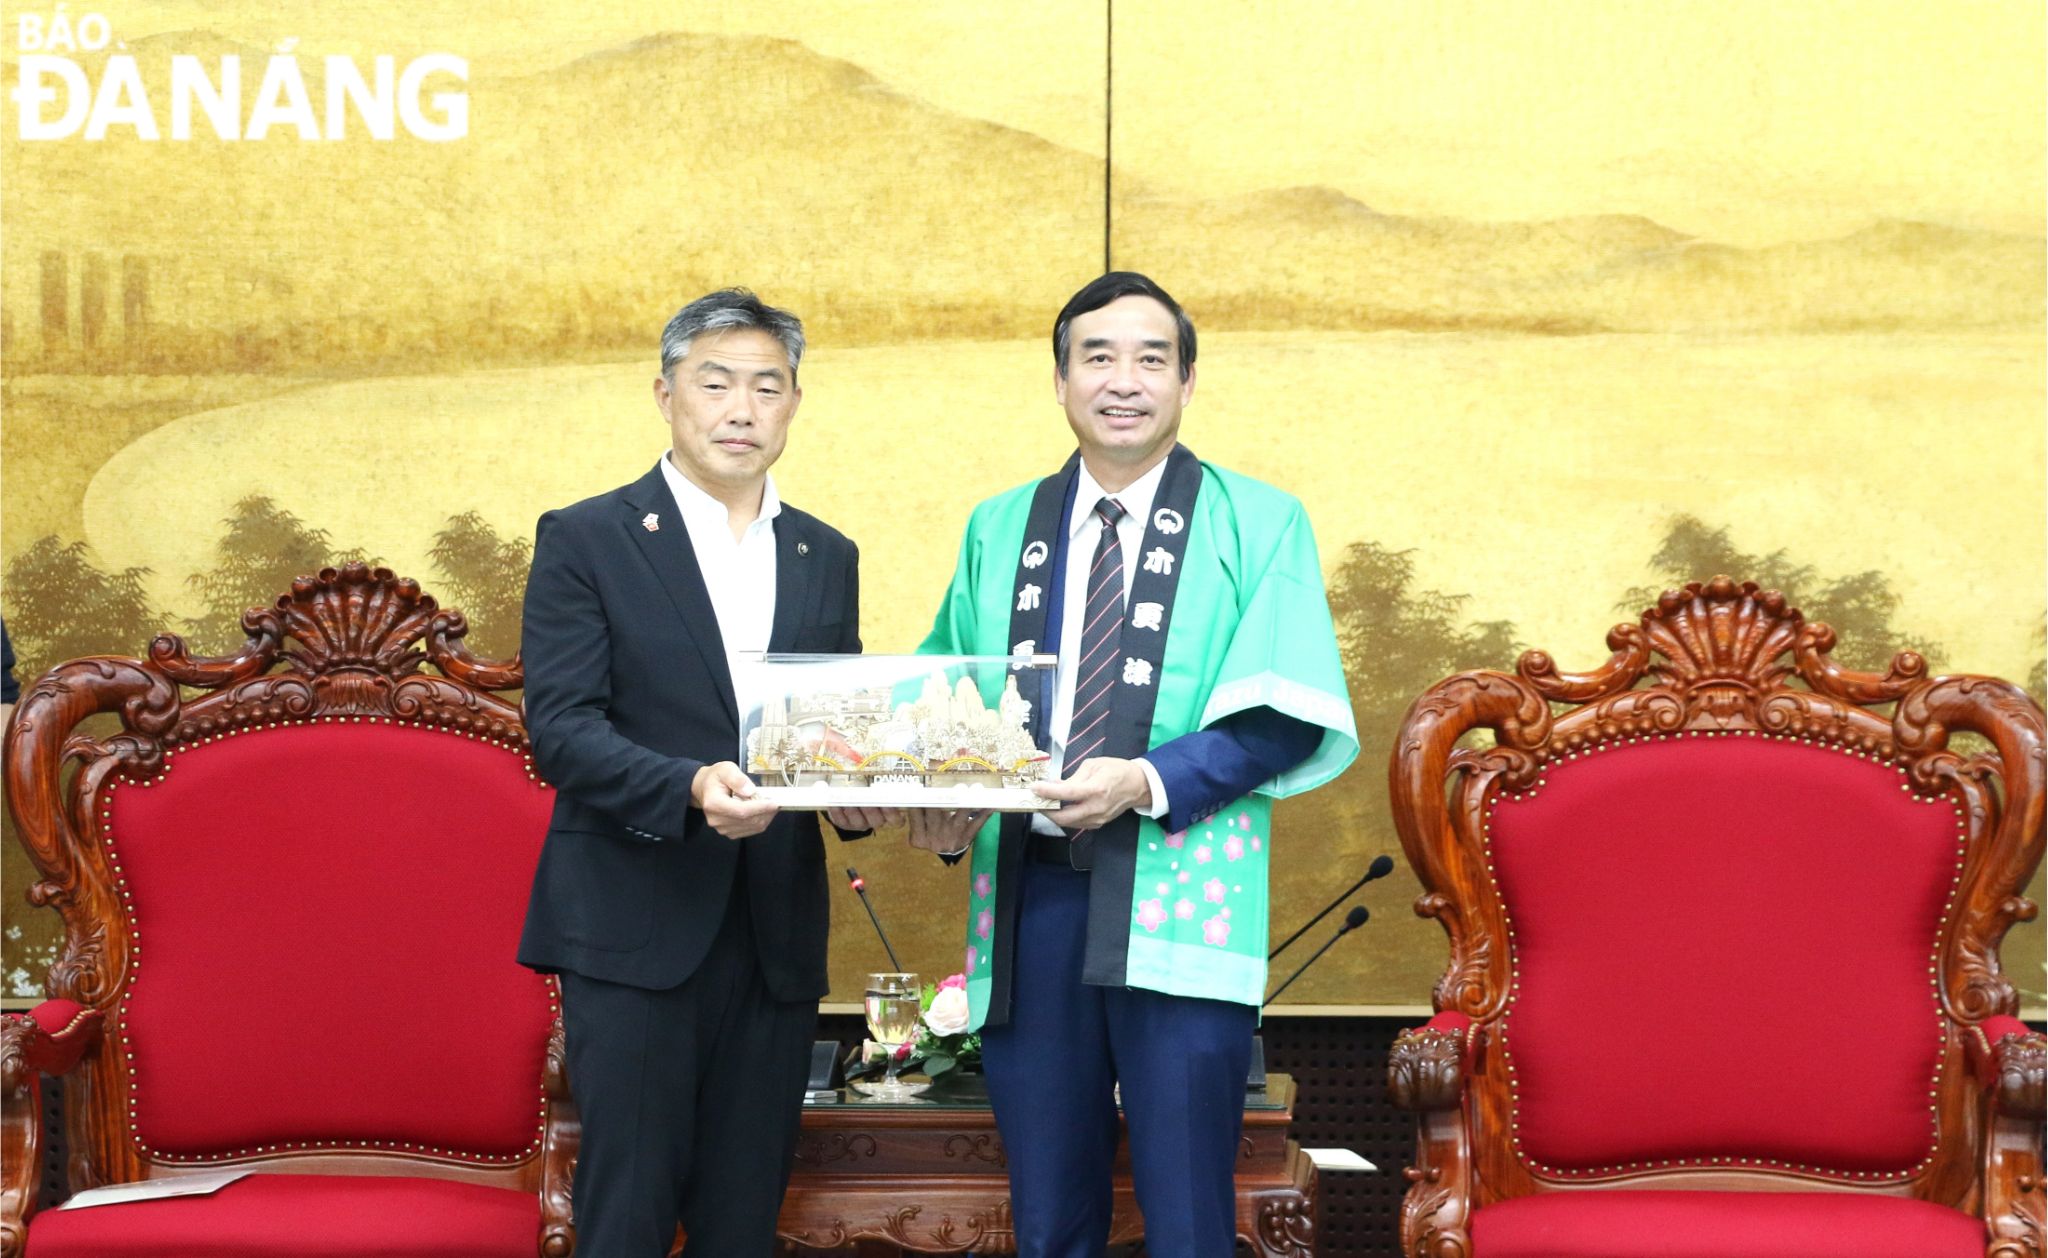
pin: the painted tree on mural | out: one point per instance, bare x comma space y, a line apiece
1396, 641
1859, 606
262, 548
61, 605
484, 576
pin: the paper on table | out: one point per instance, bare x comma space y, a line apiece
152, 1189
1338, 1160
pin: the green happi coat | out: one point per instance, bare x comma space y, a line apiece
1232, 579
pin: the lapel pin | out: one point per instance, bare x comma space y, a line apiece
803, 548
651, 522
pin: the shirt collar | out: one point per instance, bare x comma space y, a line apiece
701, 510
1136, 497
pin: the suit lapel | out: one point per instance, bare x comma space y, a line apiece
796, 594
667, 548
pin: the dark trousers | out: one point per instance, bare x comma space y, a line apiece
1052, 1072
690, 1100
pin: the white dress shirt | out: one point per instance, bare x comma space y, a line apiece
739, 573
1084, 531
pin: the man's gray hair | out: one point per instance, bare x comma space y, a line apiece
722, 311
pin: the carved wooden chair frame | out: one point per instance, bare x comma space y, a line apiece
1710, 660
347, 645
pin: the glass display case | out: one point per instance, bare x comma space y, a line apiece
896, 731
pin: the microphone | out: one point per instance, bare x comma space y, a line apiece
1381, 866
1352, 921
860, 888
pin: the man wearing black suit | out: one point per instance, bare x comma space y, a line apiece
686, 919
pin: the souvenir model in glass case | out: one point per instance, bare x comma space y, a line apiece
895, 731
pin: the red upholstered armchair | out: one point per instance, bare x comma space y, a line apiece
327, 849
1724, 981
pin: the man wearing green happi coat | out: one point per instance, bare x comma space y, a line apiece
1121, 939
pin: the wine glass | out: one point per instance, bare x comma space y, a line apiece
892, 1009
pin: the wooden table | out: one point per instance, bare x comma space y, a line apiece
929, 1176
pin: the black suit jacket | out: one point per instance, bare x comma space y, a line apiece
627, 696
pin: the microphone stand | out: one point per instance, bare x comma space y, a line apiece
1352, 921
1381, 866
860, 888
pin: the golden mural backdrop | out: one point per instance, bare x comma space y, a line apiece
1538, 308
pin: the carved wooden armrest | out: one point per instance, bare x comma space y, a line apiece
562, 1138
2011, 1063
1426, 1073
2008, 1059
51, 1039
1427, 1068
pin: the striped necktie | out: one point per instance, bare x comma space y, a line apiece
1102, 618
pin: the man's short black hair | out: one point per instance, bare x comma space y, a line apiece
1100, 292
724, 311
